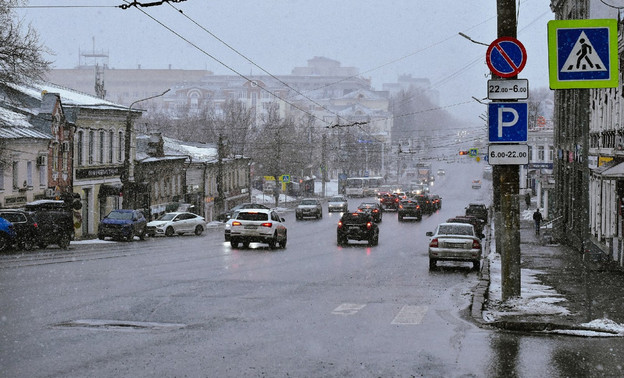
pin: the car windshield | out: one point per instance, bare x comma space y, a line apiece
252, 216
454, 229
336, 199
167, 217
121, 215
308, 202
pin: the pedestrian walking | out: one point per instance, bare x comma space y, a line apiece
527, 199
537, 218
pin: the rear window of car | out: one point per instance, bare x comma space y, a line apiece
124, 215
13, 217
252, 216
455, 229
308, 202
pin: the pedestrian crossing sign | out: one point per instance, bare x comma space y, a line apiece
583, 54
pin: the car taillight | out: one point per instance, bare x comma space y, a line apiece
35, 225
267, 224
433, 243
476, 244
339, 224
418, 206
375, 211
369, 225
236, 223
400, 206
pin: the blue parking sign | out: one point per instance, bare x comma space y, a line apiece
508, 122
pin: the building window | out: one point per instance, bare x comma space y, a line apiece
121, 147
15, 175
29, 173
111, 140
101, 147
91, 147
55, 156
79, 148
540, 153
65, 152
42, 176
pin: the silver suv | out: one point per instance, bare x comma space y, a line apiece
258, 226
309, 207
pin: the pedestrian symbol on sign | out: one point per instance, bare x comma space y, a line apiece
583, 57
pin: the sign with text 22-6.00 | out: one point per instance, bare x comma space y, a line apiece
508, 122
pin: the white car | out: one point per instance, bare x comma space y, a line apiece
258, 226
179, 223
454, 242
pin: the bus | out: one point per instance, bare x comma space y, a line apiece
363, 186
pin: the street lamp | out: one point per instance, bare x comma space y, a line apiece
127, 176
472, 40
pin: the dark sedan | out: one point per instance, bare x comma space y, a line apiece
372, 208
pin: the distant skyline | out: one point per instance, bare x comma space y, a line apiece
382, 39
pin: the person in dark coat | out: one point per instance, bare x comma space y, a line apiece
537, 218
527, 199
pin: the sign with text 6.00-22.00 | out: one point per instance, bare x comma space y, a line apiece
508, 154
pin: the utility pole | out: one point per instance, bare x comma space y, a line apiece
127, 175
506, 180
323, 164
219, 201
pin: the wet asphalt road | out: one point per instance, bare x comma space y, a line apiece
193, 306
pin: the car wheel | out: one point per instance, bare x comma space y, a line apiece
142, 234
28, 245
283, 242
64, 241
199, 230
41, 245
400, 218
297, 217
100, 236
321, 214
169, 231
432, 264
130, 236
245, 244
234, 243
476, 265
4, 243
273, 242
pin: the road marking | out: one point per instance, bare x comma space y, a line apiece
410, 315
346, 309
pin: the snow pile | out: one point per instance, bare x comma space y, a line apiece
535, 298
538, 299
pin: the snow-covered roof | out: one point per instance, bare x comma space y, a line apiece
69, 97
197, 151
15, 125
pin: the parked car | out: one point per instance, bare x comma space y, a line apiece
309, 207
476, 184
373, 209
27, 232
55, 221
357, 226
228, 226
388, 201
472, 220
7, 234
441, 172
179, 223
246, 205
123, 224
454, 242
258, 226
338, 203
409, 208
478, 210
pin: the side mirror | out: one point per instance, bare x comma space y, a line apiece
429, 233
282, 219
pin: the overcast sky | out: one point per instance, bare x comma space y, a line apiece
383, 39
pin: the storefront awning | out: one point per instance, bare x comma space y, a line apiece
614, 172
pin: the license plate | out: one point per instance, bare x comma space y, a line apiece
354, 228
250, 227
455, 245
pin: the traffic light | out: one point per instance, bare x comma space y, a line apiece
463, 152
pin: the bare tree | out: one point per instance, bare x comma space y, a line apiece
20, 50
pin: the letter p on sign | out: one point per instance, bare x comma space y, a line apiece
507, 122
501, 119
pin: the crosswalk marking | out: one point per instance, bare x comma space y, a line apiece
410, 314
346, 309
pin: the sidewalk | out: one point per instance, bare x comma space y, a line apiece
559, 292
